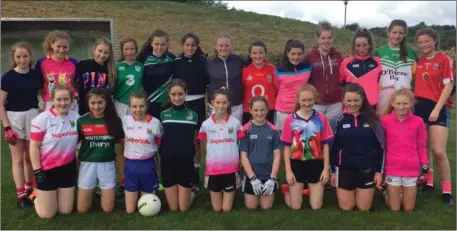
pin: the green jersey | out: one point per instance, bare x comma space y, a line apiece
395, 71
129, 79
157, 76
97, 144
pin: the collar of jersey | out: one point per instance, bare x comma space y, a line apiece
297, 116
394, 116
358, 57
148, 118
50, 57
213, 117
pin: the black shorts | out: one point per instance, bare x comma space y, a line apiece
60, 177
424, 107
218, 183
198, 106
247, 117
175, 171
352, 178
155, 109
307, 171
247, 187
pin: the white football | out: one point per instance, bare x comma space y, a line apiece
149, 205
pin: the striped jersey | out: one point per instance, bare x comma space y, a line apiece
141, 138
395, 71
157, 75
58, 136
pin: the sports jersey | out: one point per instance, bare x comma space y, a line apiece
431, 76
287, 81
179, 129
97, 144
258, 82
157, 76
395, 71
56, 72
364, 71
259, 143
58, 137
128, 80
193, 71
141, 138
90, 74
22, 89
306, 136
222, 155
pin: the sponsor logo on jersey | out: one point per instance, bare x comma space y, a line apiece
94, 129
371, 65
130, 128
221, 141
253, 136
122, 68
35, 126
138, 141
52, 125
346, 125
64, 134
355, 65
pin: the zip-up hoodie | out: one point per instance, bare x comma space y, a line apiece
157, 76
227, 74
287, 81
365, 71
325, 75
406, 147
357, 144
193, 71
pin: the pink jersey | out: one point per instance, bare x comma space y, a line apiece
58, 137
222, 155
141, 138
54, 72
405, 145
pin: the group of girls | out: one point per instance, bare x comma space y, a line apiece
326, 137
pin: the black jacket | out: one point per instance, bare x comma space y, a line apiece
193, 71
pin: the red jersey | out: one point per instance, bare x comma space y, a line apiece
258, 82
431, 76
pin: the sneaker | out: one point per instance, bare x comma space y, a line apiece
32, 196
447, 199
24, 203
120, 192
29, 191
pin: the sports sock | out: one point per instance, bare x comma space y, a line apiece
28, 185
122, 181
21, 193
430, 178
446, 186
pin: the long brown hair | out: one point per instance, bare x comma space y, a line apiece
123, 42
52, 37
146, 49
366, 109
110, 60
363, 33
403, 47
112, 120
23, 45
291, 43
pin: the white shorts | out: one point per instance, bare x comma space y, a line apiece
237, 111
21, 122
401, 181
90, 172
280, 118
384, 99
121, 109
73, 107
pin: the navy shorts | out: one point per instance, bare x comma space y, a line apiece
424, 107
141, 175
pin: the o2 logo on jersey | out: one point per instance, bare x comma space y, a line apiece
253, 90
425, 76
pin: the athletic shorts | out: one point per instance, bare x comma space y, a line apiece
177, 171
352, 178
236, 111
60, 177
308, 171
141, 175
90, 172
219, 183
73, 107
198, 106
384, 99
247, 187
21, 122
424, 107
247, 117
401, 181
280, 118
121, 109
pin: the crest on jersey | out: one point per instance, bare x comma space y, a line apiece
269, 78
137, 68
149, 130
230, 130
249, 78
72, 123
189, 116
436, 66
425, 76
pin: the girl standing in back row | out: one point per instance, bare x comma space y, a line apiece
398, 63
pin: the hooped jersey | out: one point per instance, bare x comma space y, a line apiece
141, 138
395, 71
58, 137
222, 154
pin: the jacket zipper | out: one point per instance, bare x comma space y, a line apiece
226, 75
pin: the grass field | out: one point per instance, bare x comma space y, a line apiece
429, 214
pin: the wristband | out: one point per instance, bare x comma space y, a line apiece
253, 177
273, 178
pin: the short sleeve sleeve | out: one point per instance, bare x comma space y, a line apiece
38, 128
244, 142
327, 133
240, 133
448, 76
202, 134
120, 135
286, 138
158, 131
5, 83
276, 140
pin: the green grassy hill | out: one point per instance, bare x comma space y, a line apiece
138, 18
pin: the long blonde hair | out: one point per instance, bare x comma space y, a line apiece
305, 87
401, 92
51, 38
23, 45
110, 60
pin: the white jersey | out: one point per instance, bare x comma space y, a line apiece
141, 138
222, 155
58, 136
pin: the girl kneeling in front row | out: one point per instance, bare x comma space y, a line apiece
260, 157
142, 136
